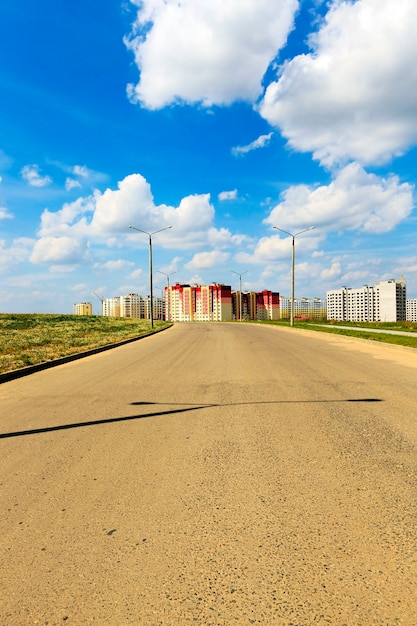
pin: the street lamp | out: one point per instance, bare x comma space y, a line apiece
169, 295
240, 291
150, 265
293, 265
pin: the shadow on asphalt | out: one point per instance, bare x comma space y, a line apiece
189, 407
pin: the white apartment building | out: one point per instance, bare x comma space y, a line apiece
386, 302
83, 308
158, 308
411, 310
110, 307
132, 305
311, 308
391, 300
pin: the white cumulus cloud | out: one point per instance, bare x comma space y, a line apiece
208, 51
104, 217
205, 260
59, 250
31, 173
115, 209
354, 200
354, 97
71, 219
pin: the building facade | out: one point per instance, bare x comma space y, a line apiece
133, 305
202, 303
304, 308
110, 307
218, 303
385, 302
180, 301
83, 308
158, 308
411, 310
266, 305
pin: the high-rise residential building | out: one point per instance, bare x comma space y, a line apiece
411, 310
305, 308
221, 296
180, 300
209, 303
267, 305
218, 303
83, 308
253, 305
391, 304
158, 308
213, 303
111, 307
385, 302
132, 305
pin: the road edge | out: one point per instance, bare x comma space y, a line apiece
38, 367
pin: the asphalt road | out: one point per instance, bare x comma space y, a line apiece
213, 474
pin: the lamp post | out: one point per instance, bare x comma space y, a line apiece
169, 295
293, 235
240, 291
150, 235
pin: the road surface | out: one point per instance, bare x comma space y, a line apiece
213, 474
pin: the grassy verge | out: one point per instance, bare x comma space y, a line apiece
33, 338
403, 326
353, 330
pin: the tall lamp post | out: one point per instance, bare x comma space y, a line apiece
293, 235
169, 295
240, 291
150, 235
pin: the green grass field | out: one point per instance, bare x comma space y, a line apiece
31, 339
353, 330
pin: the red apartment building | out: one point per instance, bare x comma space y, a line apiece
217, 303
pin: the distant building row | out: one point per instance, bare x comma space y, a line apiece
304, 308
130, 305
208, 303
185, 303
205, 303
218, 303
385, 302
133, 305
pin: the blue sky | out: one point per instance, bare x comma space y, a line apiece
220, 118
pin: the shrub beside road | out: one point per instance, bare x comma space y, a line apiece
29, 339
